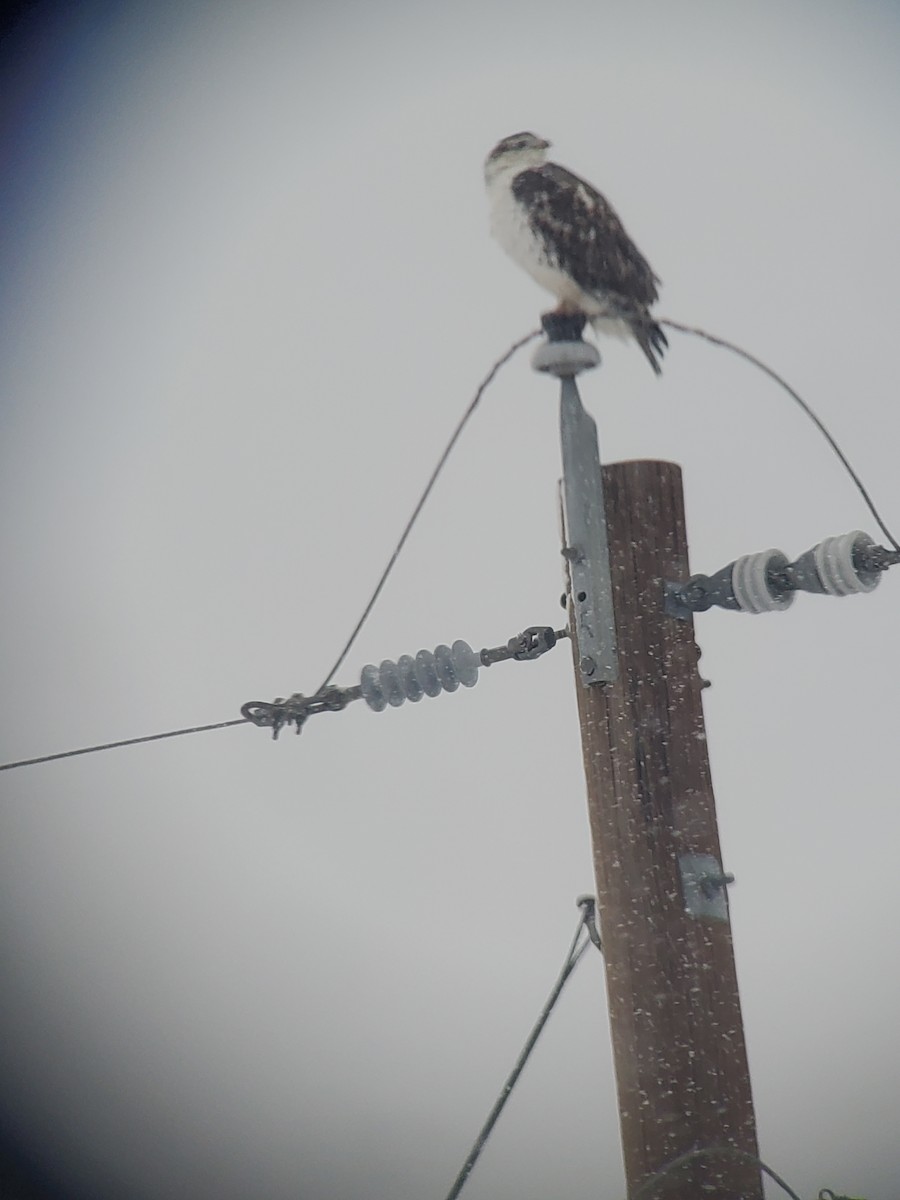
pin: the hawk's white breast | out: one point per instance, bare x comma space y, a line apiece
512, 229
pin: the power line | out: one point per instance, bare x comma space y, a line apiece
574, 956
448, 449
151, 737
695, 331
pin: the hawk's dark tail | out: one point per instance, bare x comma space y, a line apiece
651, 339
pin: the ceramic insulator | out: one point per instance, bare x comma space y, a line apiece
428, 674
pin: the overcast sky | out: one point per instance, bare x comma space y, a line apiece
247, 291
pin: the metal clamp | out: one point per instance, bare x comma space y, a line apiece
295, 709
703, 886
588, 906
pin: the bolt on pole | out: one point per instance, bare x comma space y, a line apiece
681, 1067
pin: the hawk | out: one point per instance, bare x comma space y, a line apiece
570, 240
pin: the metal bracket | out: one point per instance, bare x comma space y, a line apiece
703, 885
587, 544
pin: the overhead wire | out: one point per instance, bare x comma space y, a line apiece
420, 504
135, 741
407, 529
586, 931
693, 330
696, 331
584, 936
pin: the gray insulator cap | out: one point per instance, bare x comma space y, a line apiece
443, 664
750, 583
370, 686
836, 567
412, 686
391, 685
466, 663
565, 359
426, 673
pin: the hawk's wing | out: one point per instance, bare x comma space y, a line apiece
583, 234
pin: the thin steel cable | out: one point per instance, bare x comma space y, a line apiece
454, 438
152, 737
572, 960
819, 424
648, 1187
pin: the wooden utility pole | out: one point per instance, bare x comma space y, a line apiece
678, 1040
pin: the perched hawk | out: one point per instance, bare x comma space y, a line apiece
569, 239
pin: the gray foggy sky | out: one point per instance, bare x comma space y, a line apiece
249, 291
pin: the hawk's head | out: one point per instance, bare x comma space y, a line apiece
515, 153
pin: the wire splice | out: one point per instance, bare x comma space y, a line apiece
295, 709
392, 683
